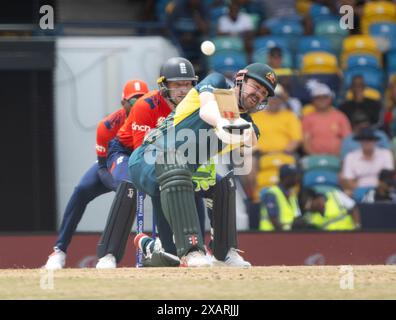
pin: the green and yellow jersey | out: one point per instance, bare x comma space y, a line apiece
184, 129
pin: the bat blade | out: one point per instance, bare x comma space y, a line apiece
227, 102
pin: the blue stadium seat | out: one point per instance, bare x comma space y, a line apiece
331, 30
391, 62
319, 12
360, 192
228, 61
322, 161
288, 28
268, 42
312, 43
228, 43
320, 177
373, 77
385, 30
364, 60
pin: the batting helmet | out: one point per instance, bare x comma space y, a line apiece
262, 73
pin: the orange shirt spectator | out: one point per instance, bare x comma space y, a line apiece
325, 128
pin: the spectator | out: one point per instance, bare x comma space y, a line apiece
332, 211
359, 122
385, 190
237, 23
279, 204
275, 58
361, 167
280, 129
390, 104
359, 102
326, 127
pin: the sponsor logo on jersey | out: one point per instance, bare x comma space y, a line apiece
142, 128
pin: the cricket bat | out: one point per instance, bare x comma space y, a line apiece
228, 107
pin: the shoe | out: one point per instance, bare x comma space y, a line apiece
147, 244
195, 259
153, 253
107, 262
233, 259
56, 260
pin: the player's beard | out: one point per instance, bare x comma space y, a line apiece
249, 102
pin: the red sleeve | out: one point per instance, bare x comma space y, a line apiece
107, 129
143, 120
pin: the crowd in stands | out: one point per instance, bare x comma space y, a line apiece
333, 116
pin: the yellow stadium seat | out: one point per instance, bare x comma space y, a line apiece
303, 6
359, 44
275, 160
378, 11
265, 178
370, 93
319, 62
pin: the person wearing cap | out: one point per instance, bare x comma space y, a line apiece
361, 167
97, 180
326, 127
279, 205
386, 189
360, 121
329, 211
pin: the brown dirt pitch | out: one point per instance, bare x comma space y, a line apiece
300, 282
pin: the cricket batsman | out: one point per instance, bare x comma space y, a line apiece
159, 167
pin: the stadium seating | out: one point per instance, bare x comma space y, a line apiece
275, 160
312, 44
331, 30
316, 177
319, 62
322, 188
291, 29
263, 44
228, 43
391, 63
303, 7
359, 44
373, 77
227, 61
323, 162
377, 11
268, 42
319, 12
360, 192
362, 61
383, 30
